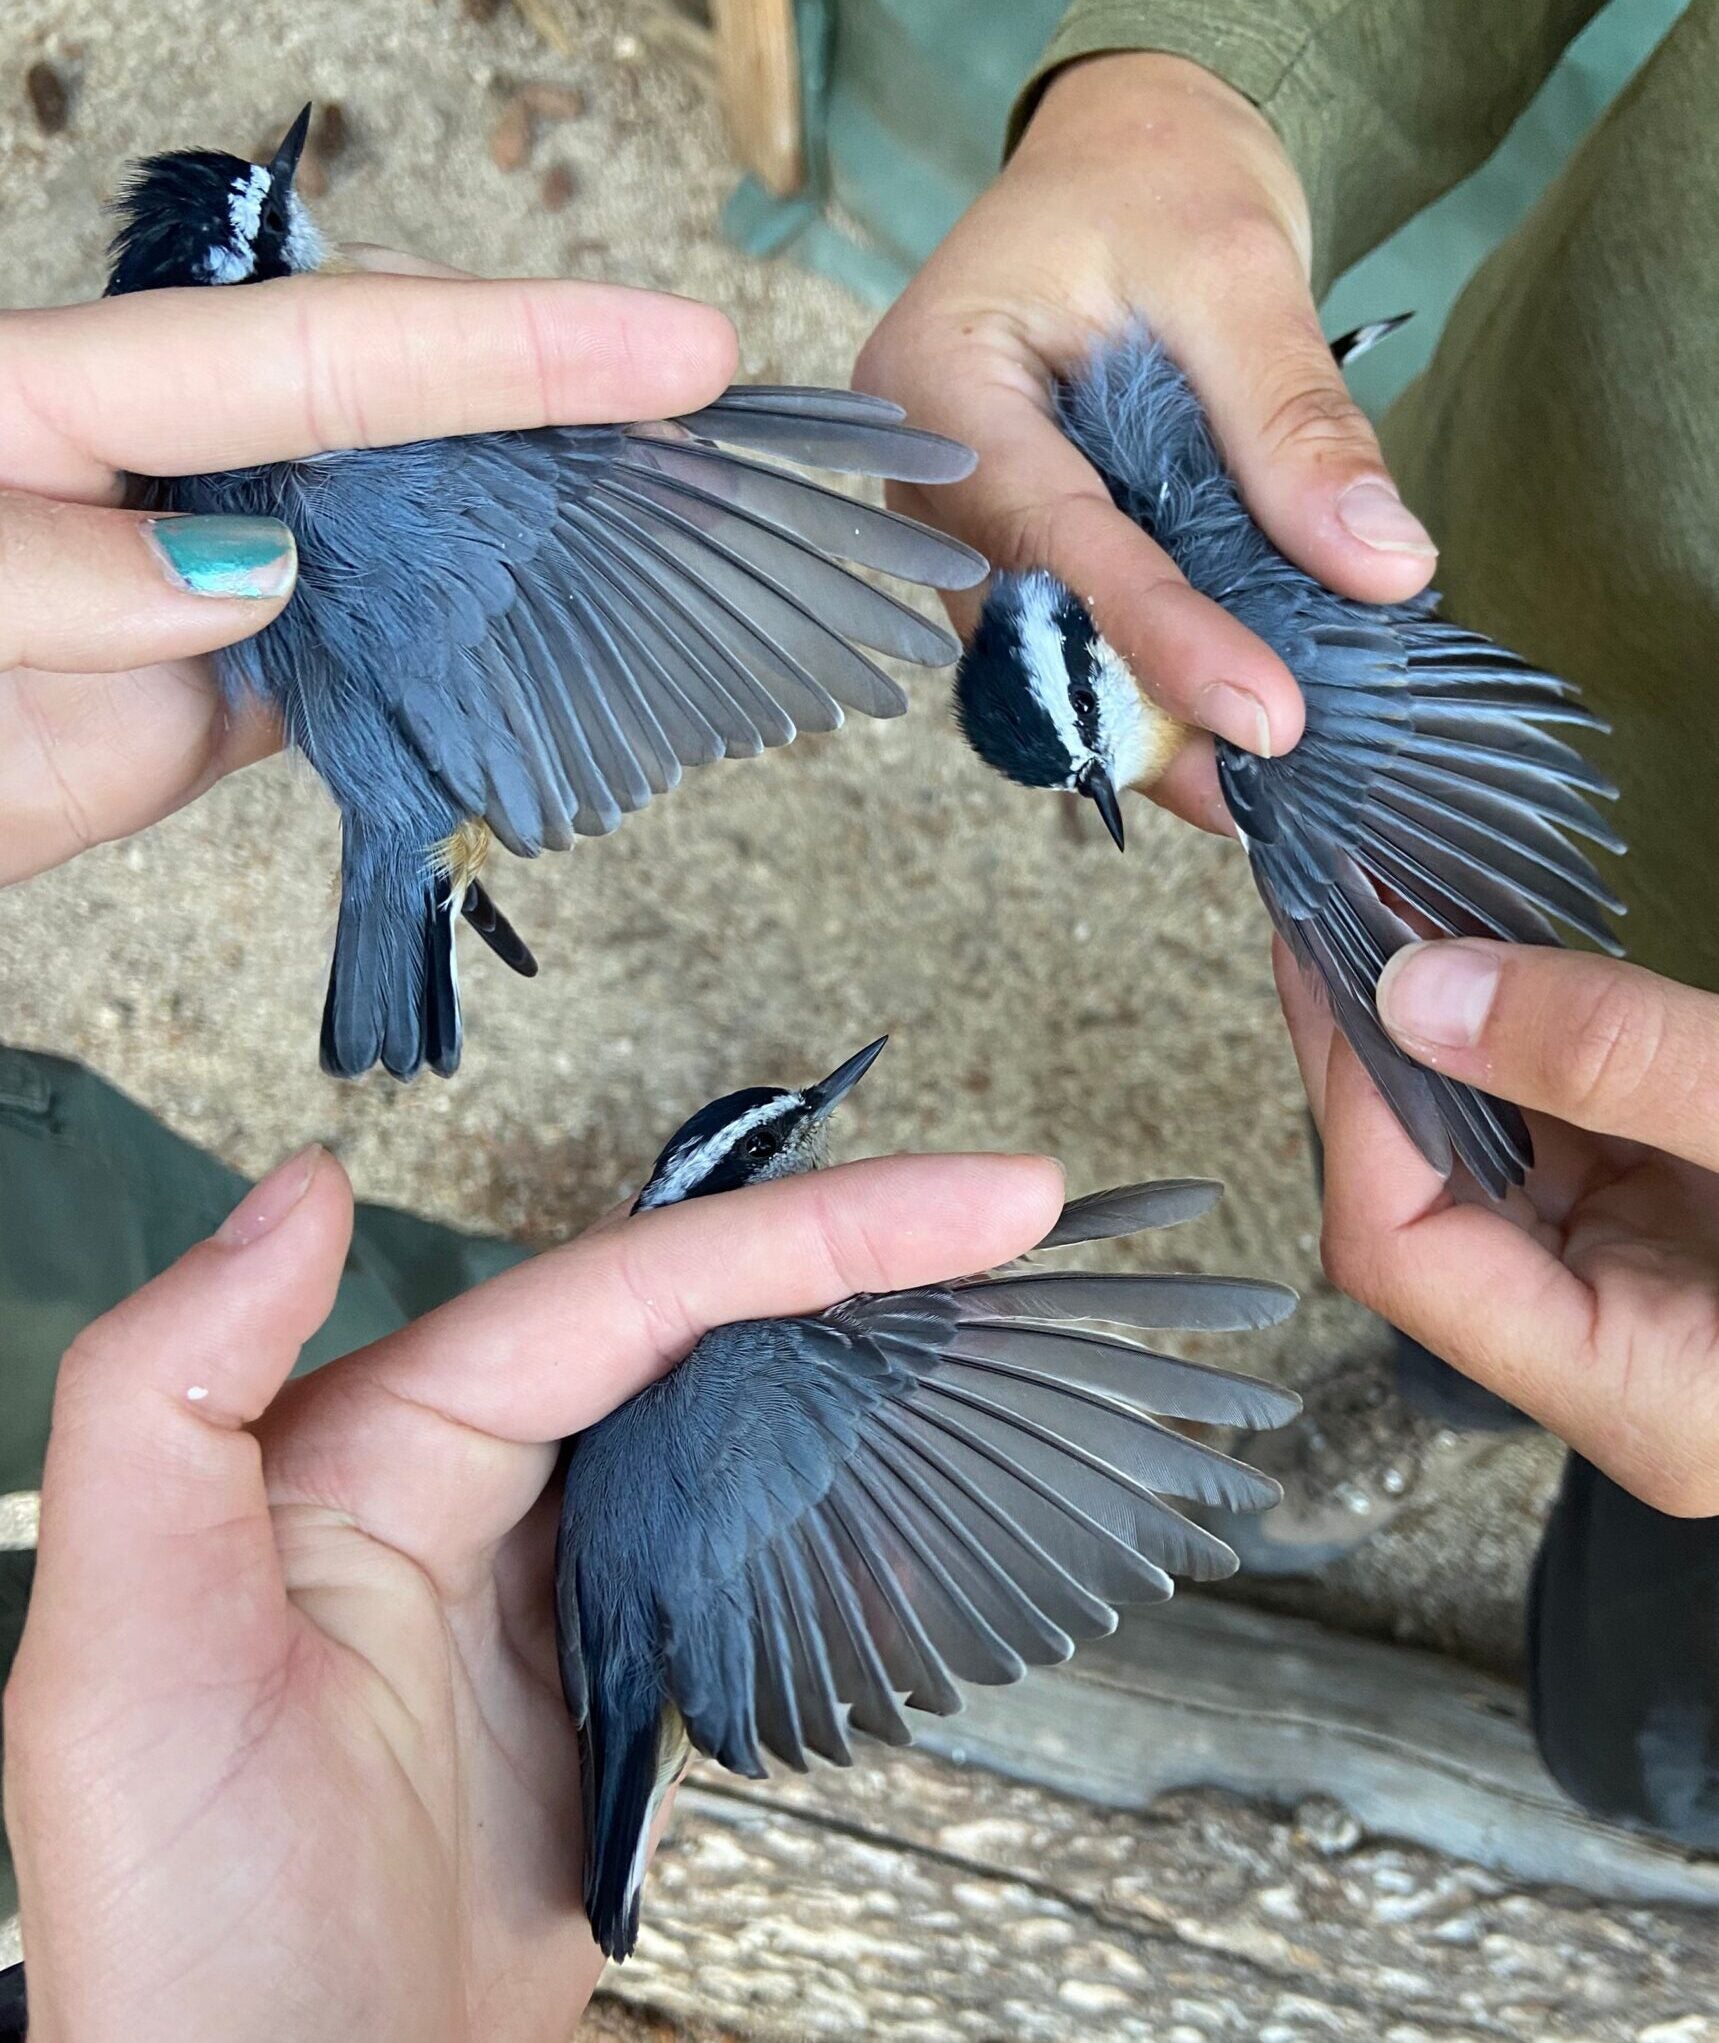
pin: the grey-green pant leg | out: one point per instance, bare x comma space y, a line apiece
96, 1197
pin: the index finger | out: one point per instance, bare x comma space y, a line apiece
178, 382
1468, 1281
567, 1336
462, 1402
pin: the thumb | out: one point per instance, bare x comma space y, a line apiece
1304, 453
155, 1543
1603, 1045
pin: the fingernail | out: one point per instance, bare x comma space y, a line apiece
226, 556
1232, 713
267, 1204
1373, 513
1438, 993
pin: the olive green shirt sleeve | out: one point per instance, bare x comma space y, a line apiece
1381, 104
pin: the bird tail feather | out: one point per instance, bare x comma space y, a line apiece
393, 993
629, 1769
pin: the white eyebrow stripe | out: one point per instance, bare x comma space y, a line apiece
1046, 662
245, 205
224, 266
231, 262
685, 1170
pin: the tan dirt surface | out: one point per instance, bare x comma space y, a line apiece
762, 922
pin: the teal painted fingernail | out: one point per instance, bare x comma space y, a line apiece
226, 556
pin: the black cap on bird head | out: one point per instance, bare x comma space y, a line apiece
197, 216
1046, 702
750, 1136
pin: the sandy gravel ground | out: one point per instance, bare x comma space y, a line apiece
772, 915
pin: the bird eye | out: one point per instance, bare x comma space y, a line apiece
274, 219
1084, 699
760, 1143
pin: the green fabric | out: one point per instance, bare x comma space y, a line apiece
1428, 262
1382, 104
1564, 444
100, 1196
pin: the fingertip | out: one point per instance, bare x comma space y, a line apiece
1038, 1186
963, 1211
1436, 998
1015, 1198
690, 349
1359, 538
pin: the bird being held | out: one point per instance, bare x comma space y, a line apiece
524, 636
810, 1523
1426, 794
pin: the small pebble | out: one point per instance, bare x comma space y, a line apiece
1325, 1826
49, 99
481, 10
553, 102
556, 189
510, 139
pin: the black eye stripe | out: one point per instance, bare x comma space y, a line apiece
1080, 657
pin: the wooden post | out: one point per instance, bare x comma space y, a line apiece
758, 74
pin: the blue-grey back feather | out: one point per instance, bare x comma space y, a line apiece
1428, 779
814, 1524
543, 630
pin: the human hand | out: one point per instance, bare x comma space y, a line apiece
1590, 1299
286, 1753
109, 717
1144, 186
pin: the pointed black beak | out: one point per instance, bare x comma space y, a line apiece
824, 1097
283, 167
1100, 790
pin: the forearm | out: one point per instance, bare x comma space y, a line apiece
1381, 104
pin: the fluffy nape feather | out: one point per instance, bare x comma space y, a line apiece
1137, 419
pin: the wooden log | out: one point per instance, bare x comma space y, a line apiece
758, 79
911, 1901
915, 1900
1209, 1693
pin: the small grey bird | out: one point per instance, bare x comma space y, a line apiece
526, 636
1426, 796
812, 1522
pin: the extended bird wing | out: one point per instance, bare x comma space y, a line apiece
673, 596
1427, 781
1429, 784
916, 1490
